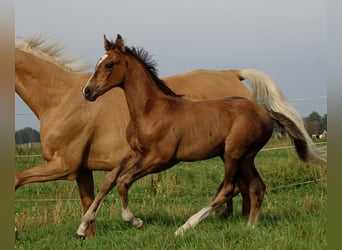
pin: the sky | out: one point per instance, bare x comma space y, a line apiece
286, 39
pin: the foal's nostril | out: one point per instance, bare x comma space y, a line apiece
87, 90
89, 94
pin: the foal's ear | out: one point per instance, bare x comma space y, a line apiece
119, 43
107, 44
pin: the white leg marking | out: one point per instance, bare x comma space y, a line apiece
194, 220
128, 216
88, 217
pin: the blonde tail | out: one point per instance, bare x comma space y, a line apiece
267, 93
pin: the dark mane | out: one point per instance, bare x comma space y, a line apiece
151, 66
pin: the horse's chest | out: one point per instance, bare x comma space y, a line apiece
136, 138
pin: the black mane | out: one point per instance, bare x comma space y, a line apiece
151, 66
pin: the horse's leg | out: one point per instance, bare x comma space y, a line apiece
49, 171
108, 183
124, 183
246, 199
85, 182
149, 164
257, 190
227, 190
89, 217
253, 190
223, 212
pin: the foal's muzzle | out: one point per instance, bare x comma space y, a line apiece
89, 95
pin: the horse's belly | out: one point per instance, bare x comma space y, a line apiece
200, 149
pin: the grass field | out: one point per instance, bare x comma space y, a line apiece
294, 212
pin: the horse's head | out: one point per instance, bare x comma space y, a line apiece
109, 70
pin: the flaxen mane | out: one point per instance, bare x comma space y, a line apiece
52, 52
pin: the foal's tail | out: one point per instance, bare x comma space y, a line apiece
267, 93
295, 134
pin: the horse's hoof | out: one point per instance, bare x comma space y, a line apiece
180, 232
80, 237
250, 225
223, 213
138, 223
141, 225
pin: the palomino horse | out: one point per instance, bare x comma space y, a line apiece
233, 128
74, 142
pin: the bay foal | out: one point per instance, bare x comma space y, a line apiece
165, 129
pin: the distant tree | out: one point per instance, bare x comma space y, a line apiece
27, 135
315, 124
325, 122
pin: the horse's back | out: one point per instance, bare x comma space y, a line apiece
211, 125
208, 84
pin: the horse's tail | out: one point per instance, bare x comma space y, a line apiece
267, 93
294, 132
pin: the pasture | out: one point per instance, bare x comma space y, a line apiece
294, 212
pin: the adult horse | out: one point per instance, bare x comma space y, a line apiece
234, 129
74, 142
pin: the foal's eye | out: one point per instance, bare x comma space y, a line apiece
109, 65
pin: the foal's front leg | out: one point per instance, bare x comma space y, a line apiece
124, 183
149, 164
108, 183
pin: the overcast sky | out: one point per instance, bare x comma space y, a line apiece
283, 38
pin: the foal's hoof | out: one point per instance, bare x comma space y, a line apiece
80, 237
138, 223
223, 212
180, 232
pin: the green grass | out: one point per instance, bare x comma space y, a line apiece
294, 212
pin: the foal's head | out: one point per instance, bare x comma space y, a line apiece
109, 70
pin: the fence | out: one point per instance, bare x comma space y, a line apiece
264, 149
291, 185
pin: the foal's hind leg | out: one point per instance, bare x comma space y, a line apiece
224, 212
226, 191
256, 189
246, 199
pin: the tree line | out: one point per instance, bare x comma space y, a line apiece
27, 135
314, 123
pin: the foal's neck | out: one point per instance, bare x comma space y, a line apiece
140, 90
